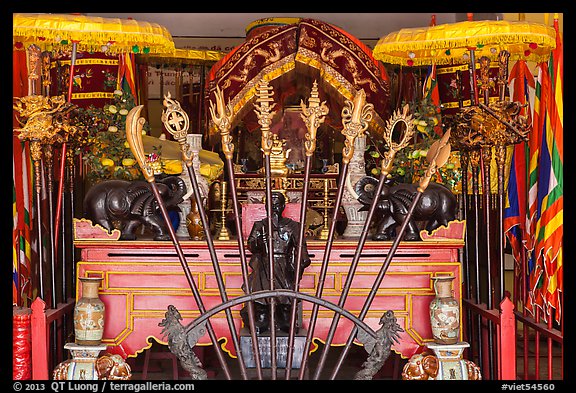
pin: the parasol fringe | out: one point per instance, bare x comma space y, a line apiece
418, 46
123, 34
472, 34
431, 43
451, 60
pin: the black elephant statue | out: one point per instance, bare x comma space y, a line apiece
437, 206
131, 204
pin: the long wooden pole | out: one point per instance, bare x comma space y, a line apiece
177, 123
313, 115
356, 115
438, 154
63, 153
134, 126
222, 116
263, 108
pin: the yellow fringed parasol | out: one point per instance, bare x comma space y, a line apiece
450, 43
181, 57
92, 34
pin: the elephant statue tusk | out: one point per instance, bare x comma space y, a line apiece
350, 187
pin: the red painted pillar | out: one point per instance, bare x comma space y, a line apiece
39, 340
21, 344
507, 340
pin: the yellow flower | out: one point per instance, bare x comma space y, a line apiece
128, 162
126, 145
421, 128
107, 162
123, 111
112, 129
112, 109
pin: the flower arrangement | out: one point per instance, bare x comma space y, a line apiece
103, 143
410, 163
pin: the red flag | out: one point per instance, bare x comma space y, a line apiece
22, 193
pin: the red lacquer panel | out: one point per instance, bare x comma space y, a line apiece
142, 278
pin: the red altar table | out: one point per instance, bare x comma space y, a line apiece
143, 277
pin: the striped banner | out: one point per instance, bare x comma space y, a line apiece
127, 74
546, 201
521, 80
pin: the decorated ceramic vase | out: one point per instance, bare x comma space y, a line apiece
89, 313
444, 312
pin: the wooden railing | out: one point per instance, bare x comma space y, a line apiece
540, 340
47, 326
502, 322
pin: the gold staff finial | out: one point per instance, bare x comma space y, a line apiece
393, 125
355, 118
134, 126
313, 115
437, 156
222, 117
177, 123
264, 113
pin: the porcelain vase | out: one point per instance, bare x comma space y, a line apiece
89, 313
444, 312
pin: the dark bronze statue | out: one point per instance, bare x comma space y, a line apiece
437, 206
285, 238
132, 204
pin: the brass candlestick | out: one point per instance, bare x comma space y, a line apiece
325, 232
222, 231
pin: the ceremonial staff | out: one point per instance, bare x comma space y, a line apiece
313, 115
402, 122
176, 121
356, 115
134, 125
222, 117
264, 112
437, 156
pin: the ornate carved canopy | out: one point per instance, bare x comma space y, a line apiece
291, 56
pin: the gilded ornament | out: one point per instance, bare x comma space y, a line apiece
264, 113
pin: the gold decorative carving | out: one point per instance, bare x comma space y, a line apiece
45, 119
176, 121
33, 62
134, 126
398, 117
437, 156
264, 105
356, 115
313, 115
278, 157
222, 116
